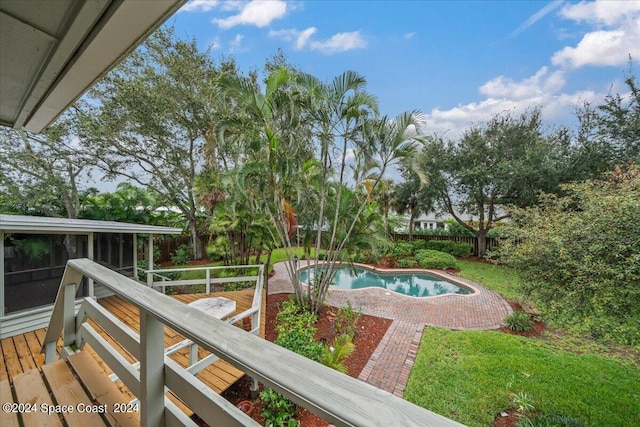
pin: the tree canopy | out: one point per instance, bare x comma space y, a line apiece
505, 162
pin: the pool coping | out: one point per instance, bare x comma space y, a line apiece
451, 278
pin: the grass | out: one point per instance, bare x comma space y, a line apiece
503, 280
470, 376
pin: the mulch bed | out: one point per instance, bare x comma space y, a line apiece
370, 332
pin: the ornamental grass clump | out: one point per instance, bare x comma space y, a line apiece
519, 321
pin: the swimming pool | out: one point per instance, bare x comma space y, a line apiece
411, 284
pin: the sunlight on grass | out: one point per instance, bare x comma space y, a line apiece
501, 279
469, 375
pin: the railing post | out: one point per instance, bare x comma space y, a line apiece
150, 262
208, 281
69, 322
193, 354
151, 371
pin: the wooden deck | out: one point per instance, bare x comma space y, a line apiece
83, 393
21, 353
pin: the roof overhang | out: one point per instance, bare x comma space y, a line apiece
51, 52
46, 225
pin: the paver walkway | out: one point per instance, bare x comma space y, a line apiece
391, 362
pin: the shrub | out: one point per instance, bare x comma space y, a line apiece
346, 320
439, 245
428, 258
457, 249
519, 321
402, 248
419, 245
277, 410
182, 255
407, 263
462, 249
579, 256
296, 329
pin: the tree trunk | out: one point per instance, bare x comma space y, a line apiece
482, 245
195, 241
411, 218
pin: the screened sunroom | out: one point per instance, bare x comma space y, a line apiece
36, 250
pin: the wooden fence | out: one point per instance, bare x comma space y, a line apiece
473, 241
168, 246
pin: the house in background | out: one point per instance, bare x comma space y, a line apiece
36, 250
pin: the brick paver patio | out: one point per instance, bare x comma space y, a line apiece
390, 364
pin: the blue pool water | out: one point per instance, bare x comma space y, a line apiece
412, 284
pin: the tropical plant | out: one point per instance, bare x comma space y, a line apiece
335, 356
308, 192
519, 321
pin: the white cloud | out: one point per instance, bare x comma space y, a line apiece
199, 6
236, 44
540, 83
602, 12
256, 12
616, 34
543, 90
409, 35
613, 33
601, 48
303, 37
340, 42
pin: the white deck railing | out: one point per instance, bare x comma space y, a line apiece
339, 399
207, 280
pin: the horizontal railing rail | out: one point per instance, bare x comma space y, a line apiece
338, 398
207, 280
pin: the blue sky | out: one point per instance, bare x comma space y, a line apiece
459, 62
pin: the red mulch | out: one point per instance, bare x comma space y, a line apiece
370, 332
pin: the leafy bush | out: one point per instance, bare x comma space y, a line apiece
428, 258
335, 356
458, 249
579, 256
462, 249
182, 255
277, 410
346, 320
407, 263
296, 329
519, 321
402, 248
419, 245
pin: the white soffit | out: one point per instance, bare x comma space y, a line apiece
38, 224
52, 51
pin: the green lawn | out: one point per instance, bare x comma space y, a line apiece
501, 279
469, 375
